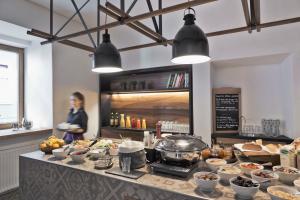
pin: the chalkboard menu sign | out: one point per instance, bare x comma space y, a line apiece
226, 110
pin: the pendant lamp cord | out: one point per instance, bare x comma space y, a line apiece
106, 30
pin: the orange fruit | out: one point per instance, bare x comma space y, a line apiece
43, 146
55, 146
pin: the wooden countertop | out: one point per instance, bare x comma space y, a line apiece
10, 133
154, 183
280, 138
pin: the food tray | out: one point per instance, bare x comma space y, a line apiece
263, 157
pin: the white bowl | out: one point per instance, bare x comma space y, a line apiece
74, 148
297, 184
286, 177
97, 153
215, 163
265, 182
59, 153
280, 188
244, 192
206, 185
226, 175
77, 158
248, 171
94, 154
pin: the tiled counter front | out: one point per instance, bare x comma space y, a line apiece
44, 178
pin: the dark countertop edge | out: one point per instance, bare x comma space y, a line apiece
282, 138
120, 178
13, 134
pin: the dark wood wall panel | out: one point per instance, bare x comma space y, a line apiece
154, 107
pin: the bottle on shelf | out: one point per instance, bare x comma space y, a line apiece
122, 120
158, 130
112, 119
144, 125
146, 138
116, 120
128, 122
138, 123
133, 123
150, 139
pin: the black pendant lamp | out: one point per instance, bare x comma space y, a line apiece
190, 45
107, 58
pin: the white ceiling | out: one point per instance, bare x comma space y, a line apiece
215, 16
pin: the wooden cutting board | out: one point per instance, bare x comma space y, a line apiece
256, 153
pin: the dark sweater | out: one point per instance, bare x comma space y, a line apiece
80, 118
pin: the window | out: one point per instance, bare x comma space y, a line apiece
11, 85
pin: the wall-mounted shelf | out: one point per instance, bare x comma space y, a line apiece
147, 91
156, 94
127, 129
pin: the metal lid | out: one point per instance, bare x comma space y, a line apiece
182, 143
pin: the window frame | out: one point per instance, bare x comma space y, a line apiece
20, 52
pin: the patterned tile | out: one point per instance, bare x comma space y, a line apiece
10, 195
41, 179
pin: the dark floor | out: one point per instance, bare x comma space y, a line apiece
10, 195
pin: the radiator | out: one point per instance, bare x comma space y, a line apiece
9, 166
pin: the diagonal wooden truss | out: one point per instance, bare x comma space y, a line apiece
122, 17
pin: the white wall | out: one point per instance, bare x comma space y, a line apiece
202, 101
266, 90
72, 72
38, 85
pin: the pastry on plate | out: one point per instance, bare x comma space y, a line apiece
252, 147
272, 148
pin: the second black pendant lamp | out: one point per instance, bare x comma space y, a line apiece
190, 45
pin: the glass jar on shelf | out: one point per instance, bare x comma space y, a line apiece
116, 120
122, 120
128, 122
112, 119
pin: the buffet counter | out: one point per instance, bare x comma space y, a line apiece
44, 177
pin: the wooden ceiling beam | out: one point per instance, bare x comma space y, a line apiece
44, 35
211, 34
153, 18
257, 14
246, 14
132, 19
223, 32
133, 26
119, 12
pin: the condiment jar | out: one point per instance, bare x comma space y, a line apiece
146, 138
116, 121
287, 156
128, 122
298, 158
122, 121
144, 126
158, 130
138, 123
133, 124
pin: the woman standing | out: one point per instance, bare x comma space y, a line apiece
78, 116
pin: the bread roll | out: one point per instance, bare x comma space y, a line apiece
273, 148
252, 147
